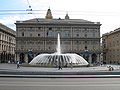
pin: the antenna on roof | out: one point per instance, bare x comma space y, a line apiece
30, 8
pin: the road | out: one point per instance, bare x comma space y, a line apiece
59, 83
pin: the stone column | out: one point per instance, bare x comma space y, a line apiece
45, 45
90, 59
71, 45
17, 57
98, 57
26, 58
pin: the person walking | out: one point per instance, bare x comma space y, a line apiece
60, 66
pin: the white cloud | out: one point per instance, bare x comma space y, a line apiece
10, 20
105, 11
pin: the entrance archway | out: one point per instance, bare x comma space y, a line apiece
22, 57
9, 57
3, 57
94, 58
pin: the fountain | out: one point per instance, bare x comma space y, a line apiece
57, 58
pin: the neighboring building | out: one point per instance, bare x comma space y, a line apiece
7, 44
111, 47
40, 36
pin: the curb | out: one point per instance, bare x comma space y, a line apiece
59, 76
60, 73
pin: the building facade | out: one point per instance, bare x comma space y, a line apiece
111, 47
7, 44
39, 35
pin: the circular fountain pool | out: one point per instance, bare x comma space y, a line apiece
58, 58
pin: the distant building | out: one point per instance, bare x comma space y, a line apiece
7, 44
39, 35
111, 47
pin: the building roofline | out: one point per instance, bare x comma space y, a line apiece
7, 29
112, 32
58, 21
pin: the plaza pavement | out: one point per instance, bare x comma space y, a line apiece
11, 70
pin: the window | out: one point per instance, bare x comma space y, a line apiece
50, 28
49, 33
39, 28
31, 27
38, 34
77, 41
85, 34
85, 42
93, 34
66, 33
22, 33
77, 34
30, 34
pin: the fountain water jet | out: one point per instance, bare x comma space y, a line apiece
58, 58
58, 45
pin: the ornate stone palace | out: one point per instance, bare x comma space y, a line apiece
111, 47
7, 44
39, 35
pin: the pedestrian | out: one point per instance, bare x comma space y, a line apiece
9, 61
18, 64
59, 67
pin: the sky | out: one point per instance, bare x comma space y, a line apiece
107, 12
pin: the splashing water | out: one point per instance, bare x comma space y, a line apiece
58, 58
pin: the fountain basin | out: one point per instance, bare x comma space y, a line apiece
59, 59
55, 59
